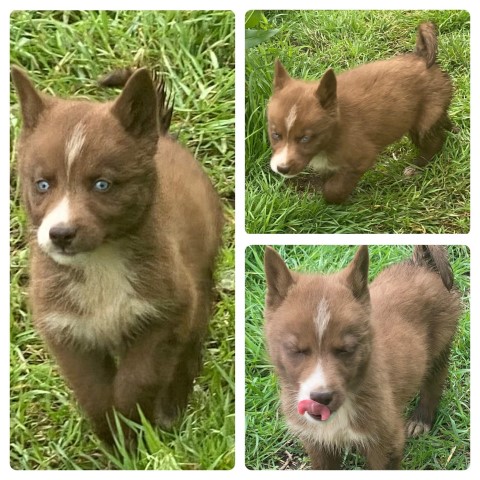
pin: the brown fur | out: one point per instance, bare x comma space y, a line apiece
120, 77
125, 309
346, 120
377, 347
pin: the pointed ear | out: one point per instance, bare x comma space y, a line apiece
357, 274
327, 90
32, 103
278, 276
281, 76
136, 106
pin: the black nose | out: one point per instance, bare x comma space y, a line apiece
283, 169
323, 397
62, 236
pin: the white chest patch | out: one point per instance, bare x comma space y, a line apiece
320, 163
109, 304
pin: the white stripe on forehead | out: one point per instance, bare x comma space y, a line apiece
74, 144
291, 117
322, 318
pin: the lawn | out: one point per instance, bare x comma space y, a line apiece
268, 443
436, 200
65, 53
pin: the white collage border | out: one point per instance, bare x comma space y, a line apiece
242, 240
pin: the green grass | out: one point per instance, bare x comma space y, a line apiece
268, 443
65, 53
437, 200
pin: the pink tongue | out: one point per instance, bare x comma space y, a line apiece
314, 408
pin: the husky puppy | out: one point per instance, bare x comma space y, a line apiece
125, 227
339, 125
350, 356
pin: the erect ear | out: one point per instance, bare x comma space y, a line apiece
136, 106
281, 76
32, 103
357, 274
327, 90
278, 276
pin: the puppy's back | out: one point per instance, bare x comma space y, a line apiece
419, 290
414, 315
196, 216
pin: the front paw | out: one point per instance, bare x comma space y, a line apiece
165, 416
332, 194
338, 188
416, 427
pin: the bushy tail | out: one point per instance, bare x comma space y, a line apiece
434, 257
426, 46
118, 78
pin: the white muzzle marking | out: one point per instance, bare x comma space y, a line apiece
316, 381
60, 214
278, 159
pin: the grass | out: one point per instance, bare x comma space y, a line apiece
436, 200
268, 443
64, 53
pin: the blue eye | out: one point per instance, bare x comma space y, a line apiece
305, 139
276, 136
42, 186
101, 185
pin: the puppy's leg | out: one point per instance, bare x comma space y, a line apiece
173, 400
430, 142
147, 368
387, 454
90, 374
421, 420
323, 458
384, 458
340, 185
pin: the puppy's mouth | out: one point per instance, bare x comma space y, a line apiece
68, 250
64, 251
315, 410
67, 255
284, 175
287, 172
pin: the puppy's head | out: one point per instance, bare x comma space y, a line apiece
302, 118
87, 169
318, 334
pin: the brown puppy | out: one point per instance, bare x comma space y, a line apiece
351, 356
125, 230
340, 124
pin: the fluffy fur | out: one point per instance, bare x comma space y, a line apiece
125, 227
361, 352
339, 125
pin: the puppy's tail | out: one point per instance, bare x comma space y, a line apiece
116, 78
119, 77
435, 258
426, 46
